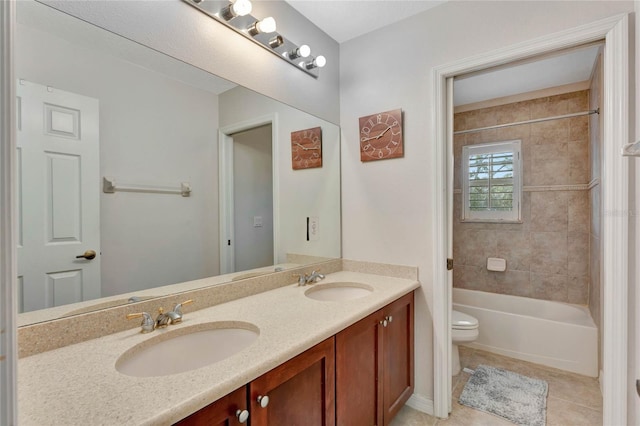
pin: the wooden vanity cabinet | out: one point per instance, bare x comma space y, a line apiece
374, 366
223, 412
361, 376
301, 391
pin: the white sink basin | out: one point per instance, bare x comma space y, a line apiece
336, 292
187, 348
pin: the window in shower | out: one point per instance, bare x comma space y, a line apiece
492, 182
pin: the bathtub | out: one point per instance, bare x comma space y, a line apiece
555, 334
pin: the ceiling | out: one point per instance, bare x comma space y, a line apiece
344, 20
571, 66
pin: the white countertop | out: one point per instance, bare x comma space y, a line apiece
79, 385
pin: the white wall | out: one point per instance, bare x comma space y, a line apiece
386, 206
633, 356
153, 130
181, 31
303, 193
252, 196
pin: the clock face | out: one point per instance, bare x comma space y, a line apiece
306, 148
381, 136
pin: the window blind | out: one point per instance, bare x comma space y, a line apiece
491, 182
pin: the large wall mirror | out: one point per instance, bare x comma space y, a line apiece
96, 111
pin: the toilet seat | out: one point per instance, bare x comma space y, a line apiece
462, 321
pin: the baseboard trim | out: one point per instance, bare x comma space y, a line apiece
601, 380
421, 403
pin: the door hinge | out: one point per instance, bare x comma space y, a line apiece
449, 264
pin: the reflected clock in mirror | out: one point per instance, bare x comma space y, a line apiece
306, 148
153, 121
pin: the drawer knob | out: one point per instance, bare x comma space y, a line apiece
384, 322
263, 401
390, 318
242, 415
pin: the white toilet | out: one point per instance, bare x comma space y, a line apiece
464, 329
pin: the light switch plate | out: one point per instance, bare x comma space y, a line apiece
314, 228
257, 221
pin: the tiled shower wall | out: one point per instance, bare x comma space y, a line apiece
548, 253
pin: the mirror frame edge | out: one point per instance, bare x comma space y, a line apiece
8, 257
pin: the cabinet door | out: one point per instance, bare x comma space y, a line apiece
223, 412
359, 373
301, 391
398, 355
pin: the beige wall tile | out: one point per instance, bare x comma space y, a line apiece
549, 253
516, 283
549, 106
554, 171
549, 211
578, 211
578, 290
553, 153
579, 128
549, 287
578, 159
515, 247
594, 197
578, 254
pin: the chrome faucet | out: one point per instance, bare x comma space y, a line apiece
314, 277
304, 279
163, 320
147, 325
176, 314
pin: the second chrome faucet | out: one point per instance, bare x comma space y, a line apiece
313, 277
162, 320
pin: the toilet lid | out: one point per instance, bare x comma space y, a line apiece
462, 321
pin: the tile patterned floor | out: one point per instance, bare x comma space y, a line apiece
573, 400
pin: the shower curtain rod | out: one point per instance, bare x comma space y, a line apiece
536, 120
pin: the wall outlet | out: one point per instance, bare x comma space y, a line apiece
313, 225
257, 221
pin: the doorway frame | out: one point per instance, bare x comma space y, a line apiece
614, 31
225, 185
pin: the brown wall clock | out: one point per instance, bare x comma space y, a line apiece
381, 136
306, 148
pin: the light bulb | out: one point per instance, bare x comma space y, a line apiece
236, 8
242, 7
300, 52
319, 62
267, 25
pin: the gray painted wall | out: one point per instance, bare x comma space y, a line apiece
386, 210
253, 196
181, 31
153, 131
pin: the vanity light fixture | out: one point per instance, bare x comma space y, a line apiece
267, 25
236, 8
236, 15
275, 42
318, 62
300, 52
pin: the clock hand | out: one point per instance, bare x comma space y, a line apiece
301, 146
376, 137
385, 131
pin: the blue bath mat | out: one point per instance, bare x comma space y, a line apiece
512, 396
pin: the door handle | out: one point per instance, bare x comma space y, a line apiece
89, 254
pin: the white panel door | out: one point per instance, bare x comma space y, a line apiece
58, 197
